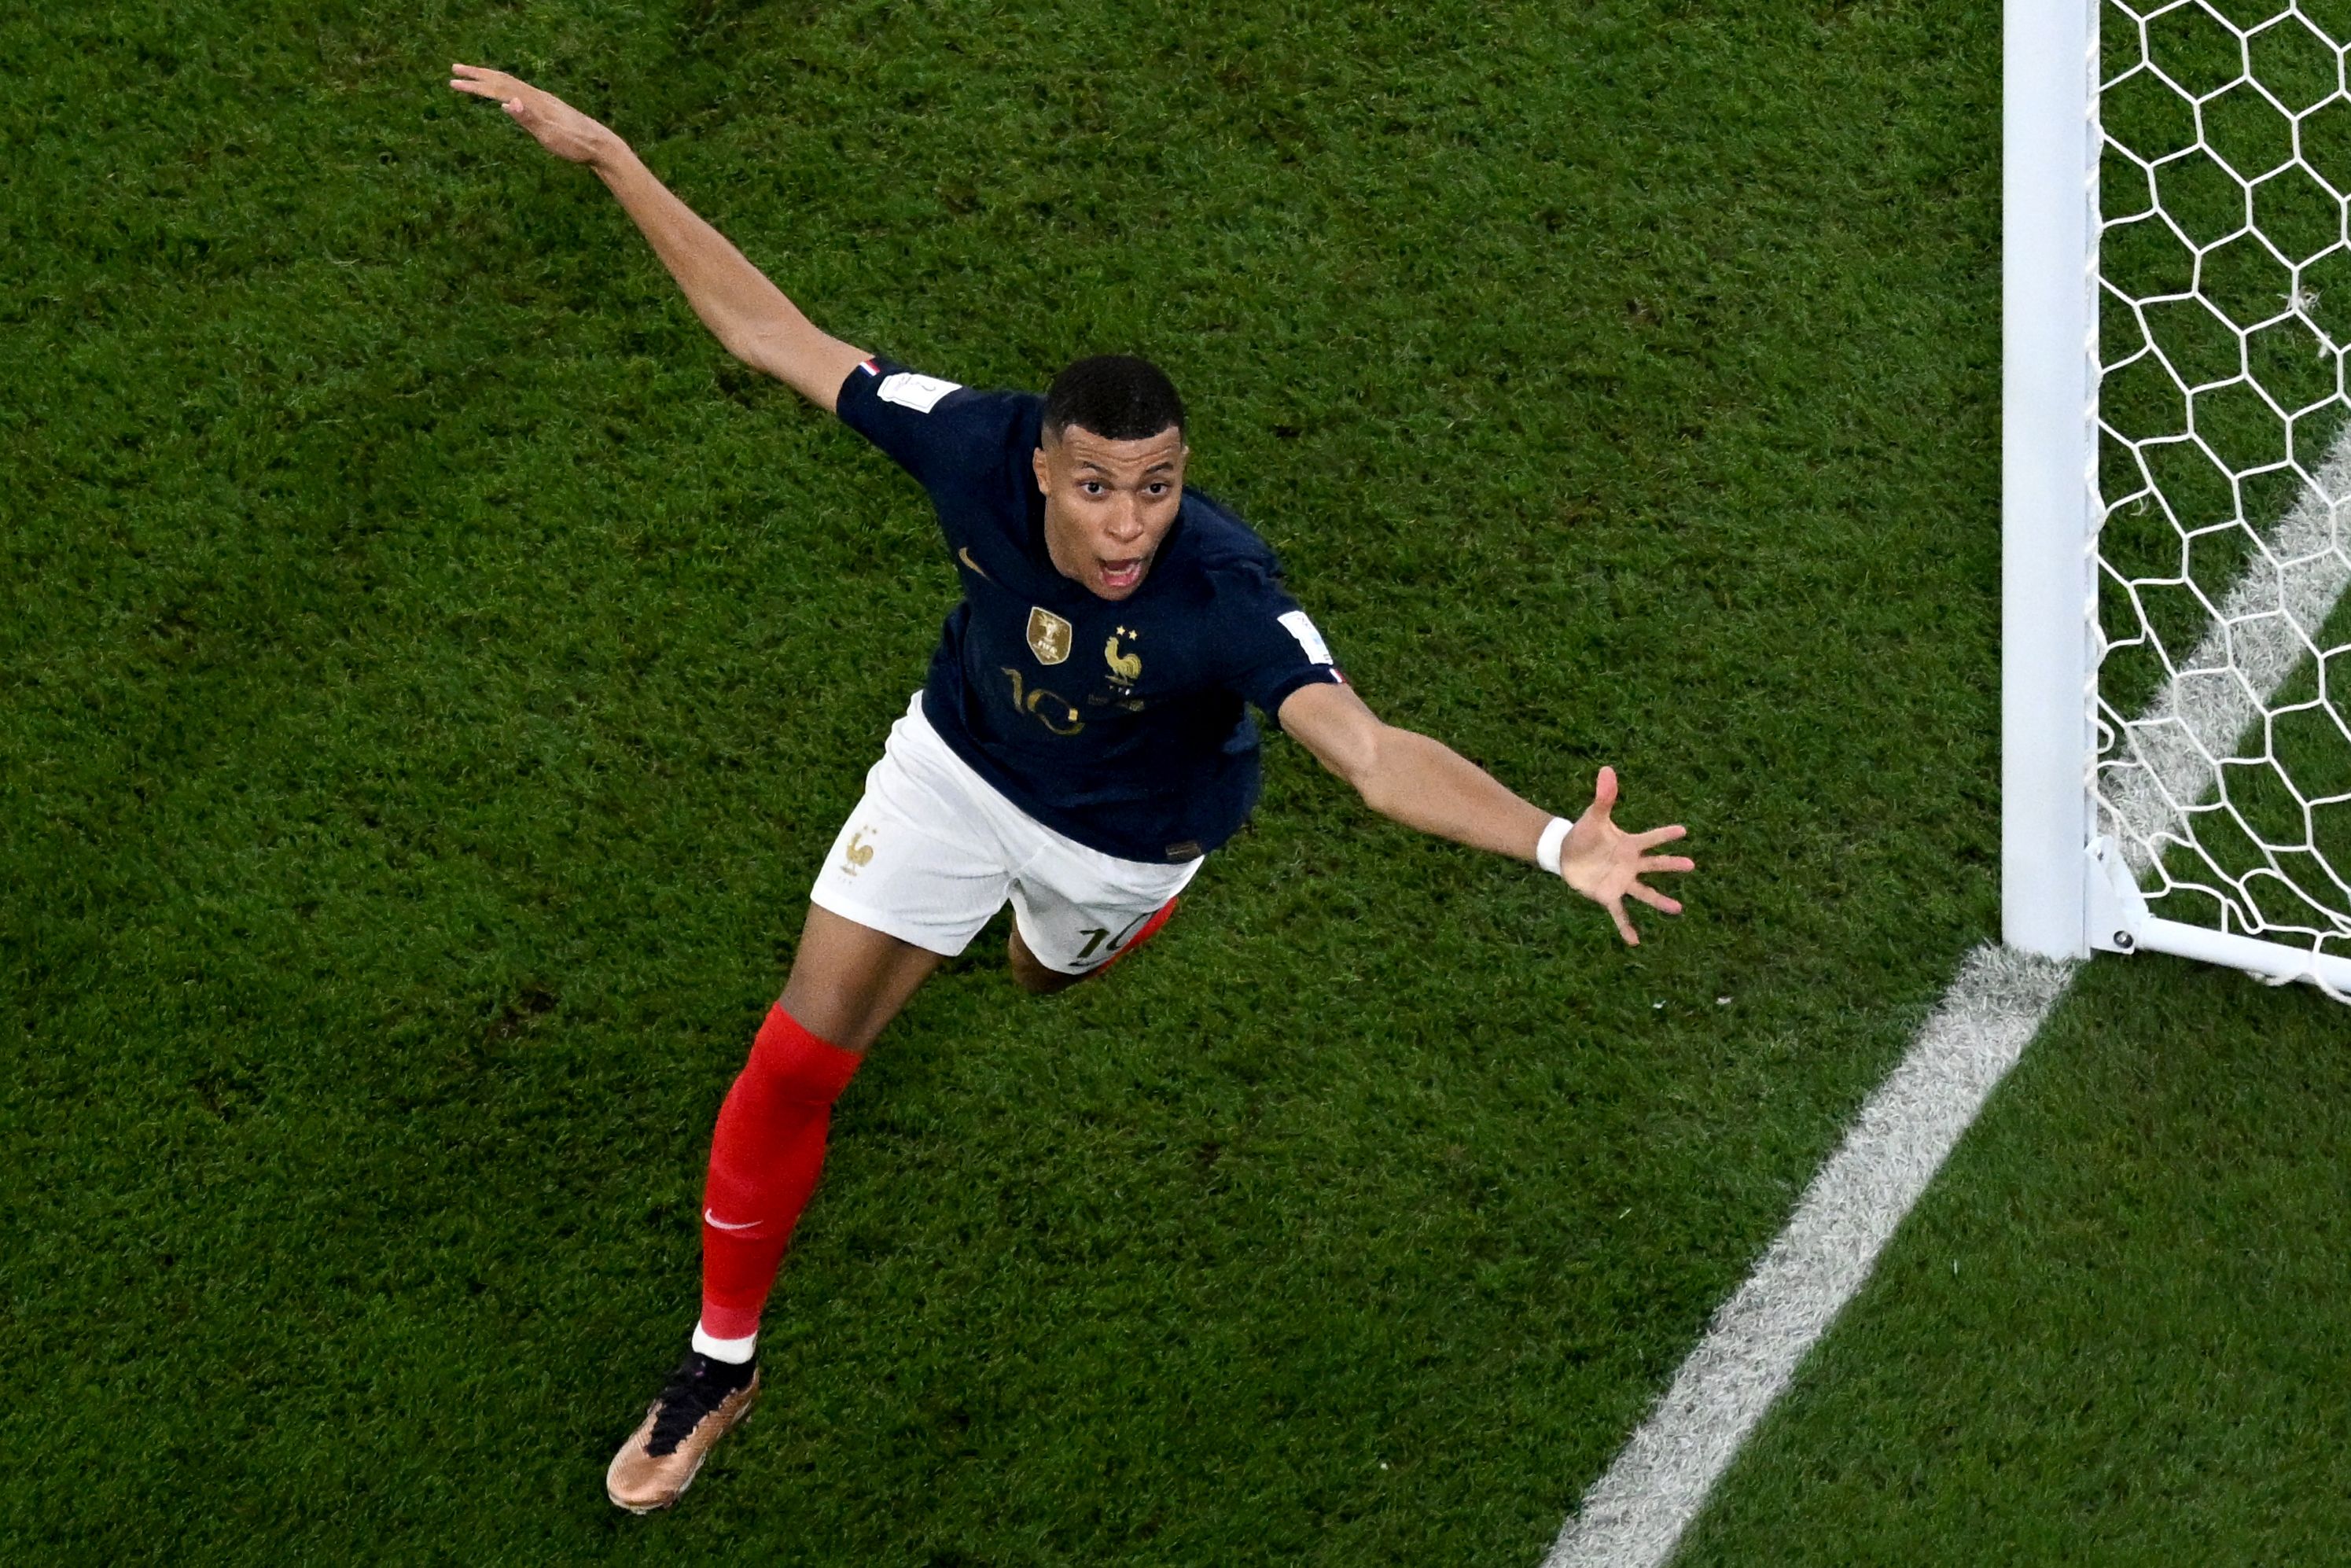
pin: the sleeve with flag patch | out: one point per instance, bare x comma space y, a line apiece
933, 429
1272, 647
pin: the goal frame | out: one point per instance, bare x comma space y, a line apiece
2063, 893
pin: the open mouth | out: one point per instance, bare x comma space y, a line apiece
1123, 574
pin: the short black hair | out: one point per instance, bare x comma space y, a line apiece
1116, 396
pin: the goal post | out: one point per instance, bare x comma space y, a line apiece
2048, 448
2176, 495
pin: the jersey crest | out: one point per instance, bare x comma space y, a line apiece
1049, 636
1125, 668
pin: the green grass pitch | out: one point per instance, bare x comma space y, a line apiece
2114, 1331
431, 670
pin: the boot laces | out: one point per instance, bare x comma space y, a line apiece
698, 1386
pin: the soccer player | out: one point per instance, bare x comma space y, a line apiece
1082, 742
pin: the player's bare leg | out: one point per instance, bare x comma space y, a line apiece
1030, 973
847, 982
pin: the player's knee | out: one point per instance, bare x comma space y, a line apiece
846, 1016
798, 1064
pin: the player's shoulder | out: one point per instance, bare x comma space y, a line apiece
881, 388
1245, 617
1225, 552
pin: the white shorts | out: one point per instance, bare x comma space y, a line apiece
933, 851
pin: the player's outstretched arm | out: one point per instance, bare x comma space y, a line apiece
748, 314
1425, 784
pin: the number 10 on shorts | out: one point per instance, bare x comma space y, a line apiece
1096, 936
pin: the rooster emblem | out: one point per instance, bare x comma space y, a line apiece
1124, 668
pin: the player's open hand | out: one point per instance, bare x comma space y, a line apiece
557, 126
1605, 864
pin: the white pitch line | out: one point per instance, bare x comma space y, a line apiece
1637, 1512
2269, 623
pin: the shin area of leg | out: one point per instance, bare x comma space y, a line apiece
848, 980
764, 1161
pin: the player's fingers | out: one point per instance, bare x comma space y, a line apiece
1604, 791
1656, 900
1623, 923
1667, 862
1660, 836
496, 93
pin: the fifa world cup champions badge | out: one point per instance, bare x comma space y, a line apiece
1049, 636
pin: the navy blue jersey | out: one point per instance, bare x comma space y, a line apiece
1121, 725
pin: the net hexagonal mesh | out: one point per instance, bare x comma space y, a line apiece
2224, 467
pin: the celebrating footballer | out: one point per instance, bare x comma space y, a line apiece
1082, 742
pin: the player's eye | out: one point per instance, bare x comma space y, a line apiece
1090, 486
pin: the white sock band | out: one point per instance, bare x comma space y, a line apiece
1547, 848
734, 1352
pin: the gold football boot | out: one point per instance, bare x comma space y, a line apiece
702, 1402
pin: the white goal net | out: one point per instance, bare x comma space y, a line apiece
2222, 778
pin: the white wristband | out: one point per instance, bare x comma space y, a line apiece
1554, 834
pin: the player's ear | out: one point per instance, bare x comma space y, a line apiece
1043, 471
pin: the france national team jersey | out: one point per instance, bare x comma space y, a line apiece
1121, 723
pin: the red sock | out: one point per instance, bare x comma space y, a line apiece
763, 1164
